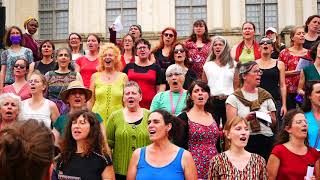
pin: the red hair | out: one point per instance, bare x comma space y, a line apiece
161, 44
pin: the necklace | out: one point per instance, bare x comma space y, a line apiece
248, 49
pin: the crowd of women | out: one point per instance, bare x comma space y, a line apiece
192, 109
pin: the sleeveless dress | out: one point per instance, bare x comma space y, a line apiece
202, 145
270, 81
172, 171
42, 114
108, 96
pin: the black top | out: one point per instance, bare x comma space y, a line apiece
189, 78
145, 70
308, 44
88, 167
275, 53
44, 68
163, 61
270, 81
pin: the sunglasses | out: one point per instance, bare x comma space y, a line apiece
21, 66
265, 42
168, 35
176, 51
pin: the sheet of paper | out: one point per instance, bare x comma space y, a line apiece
264, 116
303, 63
117, 24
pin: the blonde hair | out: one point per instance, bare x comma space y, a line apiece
229, 124
103, 52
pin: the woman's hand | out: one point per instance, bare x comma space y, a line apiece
251, 116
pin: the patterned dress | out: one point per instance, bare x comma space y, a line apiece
222, 168
291, 63
198, 56
202, 145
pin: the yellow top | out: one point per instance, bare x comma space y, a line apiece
247, 55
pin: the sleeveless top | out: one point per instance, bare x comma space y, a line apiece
270, 81
42, 114
311, 73
245, 56
172, 171
108, 96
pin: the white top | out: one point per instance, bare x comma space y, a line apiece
42, 114
266, 106
220, 79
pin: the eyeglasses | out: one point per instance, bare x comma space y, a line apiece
33, 81
74, 38
176, 51
265, 42
21, 66
176, 74
142, 48
258, 72
127, 40
168, 35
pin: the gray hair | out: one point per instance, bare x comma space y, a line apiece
225, 54
133, 84
175, 68
16, 98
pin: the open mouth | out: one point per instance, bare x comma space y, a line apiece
152, 132
175, 83
76, 132
77, 100
304, 130
200, 98
243, 139
179, 56
265, 47
32, 88
130, 101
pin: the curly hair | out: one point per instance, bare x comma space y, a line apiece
102, 53
190, 104
26, 150
283, 135
95, 142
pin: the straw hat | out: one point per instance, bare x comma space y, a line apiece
75, 85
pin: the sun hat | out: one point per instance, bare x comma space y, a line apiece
72, 86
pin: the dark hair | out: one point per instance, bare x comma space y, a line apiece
203, 85
205, 37
70, 66
80, 38
95, 142
142, 41
313, 50
7, 36
177, 124
186, 61
42, 43
310, 18
161, 44
95, 35
249, 22
26, 150
25, 62
133, 47
283, 135
306, 106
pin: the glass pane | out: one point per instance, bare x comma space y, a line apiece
199, 2
253, 15
183, 21
62, 4
318, 3
129, 3
199, 13
111, 4
46, 4
183, 3
62, 24
46, 27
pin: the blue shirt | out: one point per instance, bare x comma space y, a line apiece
313, 130
172, 171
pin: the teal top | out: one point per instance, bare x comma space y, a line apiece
311, 73
313, 129
124, 138
62, 121
162, 101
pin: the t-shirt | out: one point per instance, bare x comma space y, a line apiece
44, 68
9, 57
62, 121
267, 105
87, 68
293, 166
147, 77
89, 167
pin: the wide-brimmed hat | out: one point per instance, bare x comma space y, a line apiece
75, 85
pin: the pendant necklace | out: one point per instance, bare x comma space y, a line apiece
248, 49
